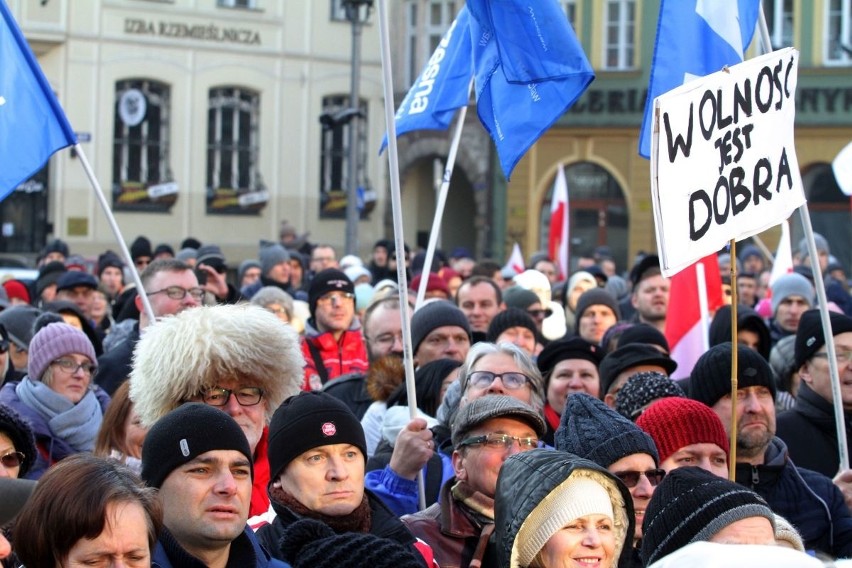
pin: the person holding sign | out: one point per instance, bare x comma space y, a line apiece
806, 498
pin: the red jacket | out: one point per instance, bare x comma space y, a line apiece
342, 357
259, 496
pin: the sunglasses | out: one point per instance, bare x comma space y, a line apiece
12, 459
630, 478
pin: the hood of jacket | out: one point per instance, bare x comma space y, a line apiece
748, 319
528, 478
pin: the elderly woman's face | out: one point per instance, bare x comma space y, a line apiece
8, 448
570, 376
123, 542
585, 541
71, 376
497, 363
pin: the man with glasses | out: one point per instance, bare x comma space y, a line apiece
332, 345
809, 427
237, 358
486, 432
592, 430
171, 287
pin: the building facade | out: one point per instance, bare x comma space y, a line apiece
238, 88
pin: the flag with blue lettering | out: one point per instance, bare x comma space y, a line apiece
695, 38
442, 87
529, 69
32, 124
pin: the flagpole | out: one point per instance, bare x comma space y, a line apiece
396, 203
442, 201
819, 284
99, 193
732, 462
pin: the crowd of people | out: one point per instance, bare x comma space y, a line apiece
261, 418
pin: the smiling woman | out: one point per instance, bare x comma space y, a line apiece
58, 397
88, 511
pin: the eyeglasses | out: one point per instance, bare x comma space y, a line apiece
540, 314
500, 442
246, 396
178, 293
512, 381
630, 478
12, 459
69, 366
386, 339
331, 296
842, 356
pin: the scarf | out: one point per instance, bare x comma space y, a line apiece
552, 418
76, 424
479, 503
358, 521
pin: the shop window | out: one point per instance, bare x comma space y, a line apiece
141, 134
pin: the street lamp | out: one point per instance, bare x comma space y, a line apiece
357, 12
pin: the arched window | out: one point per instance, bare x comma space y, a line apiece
597, 213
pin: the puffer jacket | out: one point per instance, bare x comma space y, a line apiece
809, 500
527, 478
338, 357
810, 433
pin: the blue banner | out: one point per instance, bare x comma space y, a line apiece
442, 87
32, 124
529, 68
695, 38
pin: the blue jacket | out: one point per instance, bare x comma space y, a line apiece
398, 493
809, 500
245, 552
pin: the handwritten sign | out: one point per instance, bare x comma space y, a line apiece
723, 163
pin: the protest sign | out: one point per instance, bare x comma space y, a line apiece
723, 163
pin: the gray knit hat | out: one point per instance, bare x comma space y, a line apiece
18, 321
54, 341
595, 297
792, 284
432, 316
820, 242
692, 505
487, 407
592, 430
271, 256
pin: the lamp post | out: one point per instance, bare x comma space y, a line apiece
357, 16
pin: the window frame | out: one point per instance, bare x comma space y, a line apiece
244, 177
334, 147
626, 47
845, 15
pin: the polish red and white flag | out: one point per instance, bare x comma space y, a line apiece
557, 241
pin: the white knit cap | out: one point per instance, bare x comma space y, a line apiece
576, 497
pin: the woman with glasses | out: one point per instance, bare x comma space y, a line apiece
17, 444
594, 431
58, 397
554, 509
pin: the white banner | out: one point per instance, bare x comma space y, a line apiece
723, 162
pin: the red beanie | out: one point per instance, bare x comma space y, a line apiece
675, 422
16, 289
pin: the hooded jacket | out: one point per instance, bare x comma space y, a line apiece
809, 500
528, 478
747, 318
810, 433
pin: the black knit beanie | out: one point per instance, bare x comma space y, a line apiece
328, 280
692, 505
809, 335
592, 430
644, 333
595, 297
631, 355
433, 315
184, 434
509, 318
307, 421
20, 433
141, 247
710, 379
309, 543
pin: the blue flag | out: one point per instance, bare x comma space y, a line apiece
695, 38
32, 124
529, 69
442, 87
